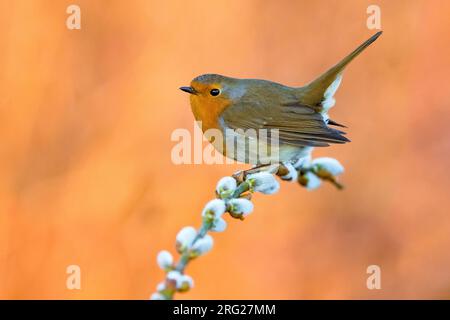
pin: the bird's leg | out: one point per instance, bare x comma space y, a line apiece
242, 174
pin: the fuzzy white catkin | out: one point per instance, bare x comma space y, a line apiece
313, 181
303, 162
186, 236
263, 182
292, 174
240, 206
329, 164
157, 296
175, 276
271, 189
161, 286
186, 280
164, 259
219, 225
216, 207
203, 245
226, 184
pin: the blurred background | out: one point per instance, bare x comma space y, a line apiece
86, 176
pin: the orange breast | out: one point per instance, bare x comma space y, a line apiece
208, 111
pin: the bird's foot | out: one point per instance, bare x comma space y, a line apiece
241, 175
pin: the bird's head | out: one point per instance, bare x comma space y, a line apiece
211, 94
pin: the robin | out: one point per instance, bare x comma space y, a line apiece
298, 114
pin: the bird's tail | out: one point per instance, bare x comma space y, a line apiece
314, 93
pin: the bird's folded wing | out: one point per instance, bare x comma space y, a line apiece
297, 125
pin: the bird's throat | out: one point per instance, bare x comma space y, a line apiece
207, 112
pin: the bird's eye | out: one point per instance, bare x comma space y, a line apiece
214, 92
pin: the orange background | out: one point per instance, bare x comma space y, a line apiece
86, 176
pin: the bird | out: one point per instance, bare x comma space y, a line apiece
296, 117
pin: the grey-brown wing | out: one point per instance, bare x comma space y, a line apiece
297, 125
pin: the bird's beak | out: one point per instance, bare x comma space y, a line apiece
188, 90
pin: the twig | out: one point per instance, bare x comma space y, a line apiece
233, 196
